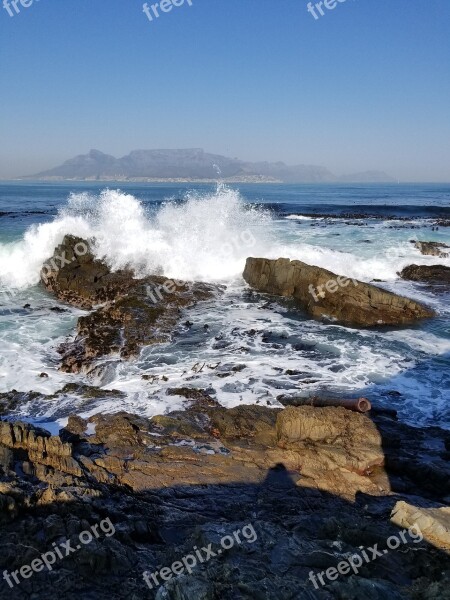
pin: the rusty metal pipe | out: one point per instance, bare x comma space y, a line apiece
361, 405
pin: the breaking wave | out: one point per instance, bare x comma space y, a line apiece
206, 236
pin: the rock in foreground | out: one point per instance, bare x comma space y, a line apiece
323, 294
315, 485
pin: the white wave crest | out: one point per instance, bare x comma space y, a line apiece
205, 237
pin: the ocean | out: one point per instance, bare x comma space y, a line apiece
205, 232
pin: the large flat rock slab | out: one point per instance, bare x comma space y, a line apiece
323, 294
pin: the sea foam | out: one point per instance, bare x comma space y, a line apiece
205, 236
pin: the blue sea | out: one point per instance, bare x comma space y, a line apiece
205, 233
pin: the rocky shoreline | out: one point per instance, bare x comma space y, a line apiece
317, 484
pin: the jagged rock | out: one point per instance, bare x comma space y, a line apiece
319, 443
42, 448
165, 495
432, 248
75, 276
199, 398
133, 314
426, 273
323, 294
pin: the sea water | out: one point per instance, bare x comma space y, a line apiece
205, 233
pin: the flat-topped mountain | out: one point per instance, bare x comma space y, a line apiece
192, 164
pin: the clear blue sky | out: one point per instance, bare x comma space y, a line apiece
366, 86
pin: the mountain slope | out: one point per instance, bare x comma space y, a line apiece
191, 163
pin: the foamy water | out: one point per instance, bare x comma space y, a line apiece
207, 237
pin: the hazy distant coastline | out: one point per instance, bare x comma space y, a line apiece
192, 165
250, 179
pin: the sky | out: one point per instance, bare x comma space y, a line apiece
365, 86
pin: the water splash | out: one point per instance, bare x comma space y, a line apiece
206, 236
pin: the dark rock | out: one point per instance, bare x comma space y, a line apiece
200, 398
9, 401
58, 309
76, 425
312, 484
6, 458
133, 314
75, 276
426, 273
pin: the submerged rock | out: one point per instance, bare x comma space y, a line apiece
14, 399
323, 294
432, 248
199, 398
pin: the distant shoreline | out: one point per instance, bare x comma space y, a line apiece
231, 180
211, 181
145, 180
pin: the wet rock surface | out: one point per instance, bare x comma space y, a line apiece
316, 484
432, 249
133, 313
70, 398
323, 294
75, 276
427, 273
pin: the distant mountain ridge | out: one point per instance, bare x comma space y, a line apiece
193, 164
